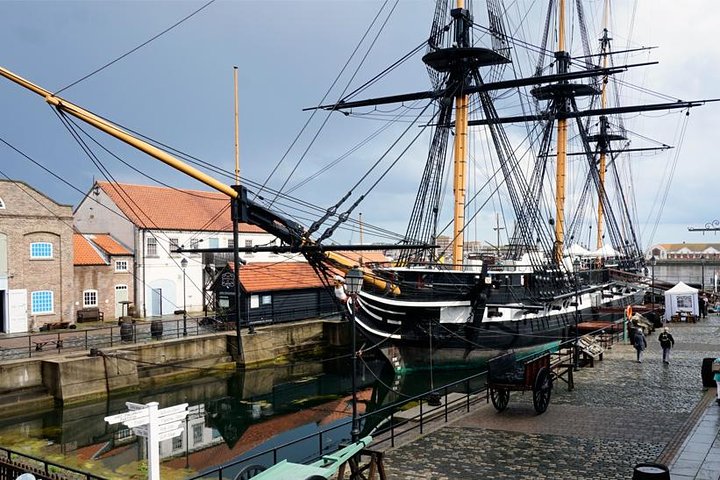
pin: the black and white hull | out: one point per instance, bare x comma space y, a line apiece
479, 322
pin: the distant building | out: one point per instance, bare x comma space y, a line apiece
697, 264
152, 221
36, 259
103, 275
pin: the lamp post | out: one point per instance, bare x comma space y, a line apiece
183, 265
653, 262
576, 264
353, 283
702, 273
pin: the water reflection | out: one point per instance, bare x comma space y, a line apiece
229, 417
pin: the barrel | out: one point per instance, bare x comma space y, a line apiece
126, 331
156, 329
651, 471
707, 373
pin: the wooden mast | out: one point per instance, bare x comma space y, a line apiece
460, 168
603, 125
561, 147
237, 128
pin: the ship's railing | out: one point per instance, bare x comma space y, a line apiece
396, 423
13, 464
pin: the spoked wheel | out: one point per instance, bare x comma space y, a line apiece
249, 472
542, 388
500, 398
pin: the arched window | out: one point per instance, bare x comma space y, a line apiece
90, 298
2, 204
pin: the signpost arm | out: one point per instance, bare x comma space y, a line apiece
153, 442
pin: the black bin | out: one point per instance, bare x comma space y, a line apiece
651, 471
707, 373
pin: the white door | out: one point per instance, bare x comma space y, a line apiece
18, 311
121, 295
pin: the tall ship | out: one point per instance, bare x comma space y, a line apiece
549, 133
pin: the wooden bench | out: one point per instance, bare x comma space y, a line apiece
90, 314
41, 343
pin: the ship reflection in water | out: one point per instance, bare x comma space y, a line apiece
229, 418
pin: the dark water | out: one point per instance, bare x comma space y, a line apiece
231, 418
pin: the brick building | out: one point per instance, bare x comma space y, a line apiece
36, 259
103, 275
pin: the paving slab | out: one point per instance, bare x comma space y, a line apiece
620, 413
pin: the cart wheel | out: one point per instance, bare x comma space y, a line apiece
542, 388
249, 472
500, 398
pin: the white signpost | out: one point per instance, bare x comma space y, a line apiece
153, 424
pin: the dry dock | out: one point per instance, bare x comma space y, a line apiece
620, 413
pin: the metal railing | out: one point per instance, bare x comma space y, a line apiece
14, 463
69, 340
393, 425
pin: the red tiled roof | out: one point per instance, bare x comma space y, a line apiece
165, 208
84, 252
365, 256
110, 245
265, 277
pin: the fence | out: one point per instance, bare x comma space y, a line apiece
394, 423
13, 463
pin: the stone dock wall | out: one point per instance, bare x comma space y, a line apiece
81, 377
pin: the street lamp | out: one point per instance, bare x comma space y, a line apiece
702, 273
576, 264
353, 283
183, 265
653, 262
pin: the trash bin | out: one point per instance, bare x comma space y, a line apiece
707, 373
651, 471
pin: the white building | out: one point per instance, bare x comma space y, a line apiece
152, 221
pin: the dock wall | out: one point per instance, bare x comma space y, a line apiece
90, 376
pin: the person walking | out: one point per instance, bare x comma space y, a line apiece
716, 377
639, 343
667, 342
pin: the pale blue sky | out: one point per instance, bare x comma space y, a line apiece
179, 90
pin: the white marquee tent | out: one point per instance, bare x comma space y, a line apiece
681, 298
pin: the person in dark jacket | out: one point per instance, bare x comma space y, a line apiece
667, 342
639, 343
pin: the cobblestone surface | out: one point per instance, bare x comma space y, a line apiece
620, 413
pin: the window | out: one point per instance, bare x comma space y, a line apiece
197, 433
90, 298
151, 247
174, 245
2, 204
266, 299
177, 442
213, 242
42, 301
121, 265
231, 243
194, 244
248, 244
41, 250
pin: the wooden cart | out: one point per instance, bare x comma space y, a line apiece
506, 374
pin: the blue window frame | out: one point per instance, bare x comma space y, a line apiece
42, 301
41, 250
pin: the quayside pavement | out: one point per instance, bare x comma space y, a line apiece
621, 413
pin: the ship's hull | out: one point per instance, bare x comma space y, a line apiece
414, 332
